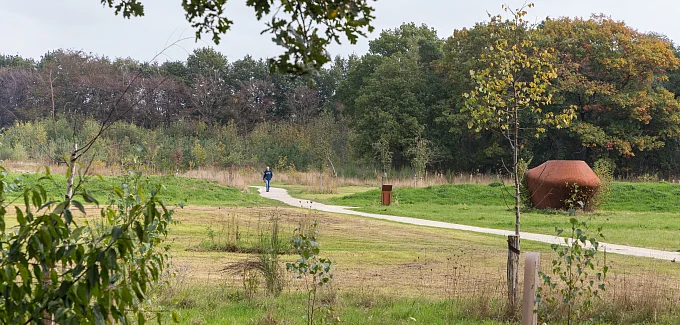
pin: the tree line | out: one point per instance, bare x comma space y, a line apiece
398, 106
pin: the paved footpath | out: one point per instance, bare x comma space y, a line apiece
282, 195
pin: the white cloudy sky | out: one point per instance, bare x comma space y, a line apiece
33, 27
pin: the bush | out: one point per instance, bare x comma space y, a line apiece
82, 273
524, 192
604, 169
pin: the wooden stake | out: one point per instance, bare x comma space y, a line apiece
532, 262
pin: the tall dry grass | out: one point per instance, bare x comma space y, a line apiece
326, 182
242, 178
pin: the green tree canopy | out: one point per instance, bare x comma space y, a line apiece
612, 74
390, 95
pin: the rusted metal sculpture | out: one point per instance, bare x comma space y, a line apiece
553, 184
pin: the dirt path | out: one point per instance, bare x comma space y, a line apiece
282, 195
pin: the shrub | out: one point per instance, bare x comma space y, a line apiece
604, 169
271, 246
524, 192
316, 272
87, 271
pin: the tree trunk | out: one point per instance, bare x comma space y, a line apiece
48, 318
335, 173
514, 241
71, 176
52, 95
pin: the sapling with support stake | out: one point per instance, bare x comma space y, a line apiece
511, 89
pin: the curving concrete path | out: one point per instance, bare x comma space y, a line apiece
282, 195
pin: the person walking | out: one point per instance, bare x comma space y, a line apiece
267, 177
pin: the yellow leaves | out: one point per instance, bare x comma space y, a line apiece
515, 77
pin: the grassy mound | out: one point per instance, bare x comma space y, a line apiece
660, 197
637, 197
175, 190
469, 194
637, 214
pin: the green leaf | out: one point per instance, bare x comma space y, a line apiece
139, 231
88, 198
47, 204
68, 217
98, 317
175, 317
79, 206
141, 320
119, 192
20, 216
116, 232
75, 234
81, 293
59, 208
92, 275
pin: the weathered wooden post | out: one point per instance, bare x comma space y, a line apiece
532, 261
513, 273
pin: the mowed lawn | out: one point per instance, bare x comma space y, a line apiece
637, 214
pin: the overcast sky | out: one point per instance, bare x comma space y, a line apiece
32, 27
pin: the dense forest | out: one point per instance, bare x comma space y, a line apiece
396, 107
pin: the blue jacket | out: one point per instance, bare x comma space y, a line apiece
268, 175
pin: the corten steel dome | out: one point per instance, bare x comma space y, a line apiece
553, 181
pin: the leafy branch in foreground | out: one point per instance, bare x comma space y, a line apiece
303, 27
92, 273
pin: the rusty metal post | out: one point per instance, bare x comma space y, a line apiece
387, 194
532, 262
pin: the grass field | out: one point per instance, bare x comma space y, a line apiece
303, 191
638, 214
222, 308
175, 190
386, 273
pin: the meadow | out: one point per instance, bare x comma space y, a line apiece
636, 214
385, 272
